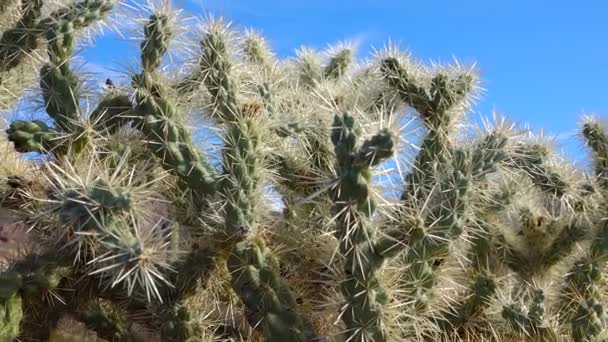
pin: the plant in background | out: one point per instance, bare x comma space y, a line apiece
137, 231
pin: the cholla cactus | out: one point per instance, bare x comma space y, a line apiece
137, 231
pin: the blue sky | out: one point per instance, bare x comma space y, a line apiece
543, 62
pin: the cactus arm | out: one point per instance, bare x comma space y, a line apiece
406, 86
597, 140
11, 315
484, 157
336, 68
81, 13
168, 138
309, 68
32, 136
60, 85
269, 303
257, 52
530, 158
218, 76
590, 317
589, 320
19, 42
481, 289
112, 112
433, 106
23, 282
528, 322
354, 206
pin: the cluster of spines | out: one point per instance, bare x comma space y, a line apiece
256, 273
354, 208
168, 136
269, 304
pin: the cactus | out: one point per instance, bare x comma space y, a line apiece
354, 207
135, 228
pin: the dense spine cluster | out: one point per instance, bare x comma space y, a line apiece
303, 217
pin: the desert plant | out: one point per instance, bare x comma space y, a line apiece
137, 230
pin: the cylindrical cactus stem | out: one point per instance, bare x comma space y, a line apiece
338, 64
481, 289
26, 279
446, 222
32, 274
590, 317
354, 206
19, 42
81, 13
256, 51
60, 85
32, 136
589, 320
112, 112
530, 321
11, 314
269, 304
530, 158
168, 137
433, 106
484, 158
309, 68
217, 74
597, 139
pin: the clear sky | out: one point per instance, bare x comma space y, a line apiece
543, 62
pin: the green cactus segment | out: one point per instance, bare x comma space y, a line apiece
19, 42
530, 321
257, 52
516, 317
81, 14
86, 210
446, 223
597, 140
365, 297
112, 112
107, 320
11, 314
590, 318
309, 68
488, 154
336, 68
168, 137
157, 33
170, 141
481, 290
60, 85
270, 305
589, 321
32, 136
242, 165
218, 76
433, 106
530, 158
26, 278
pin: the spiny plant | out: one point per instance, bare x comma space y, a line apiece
152, 214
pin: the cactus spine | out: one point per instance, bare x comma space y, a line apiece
354, 208
135, 228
